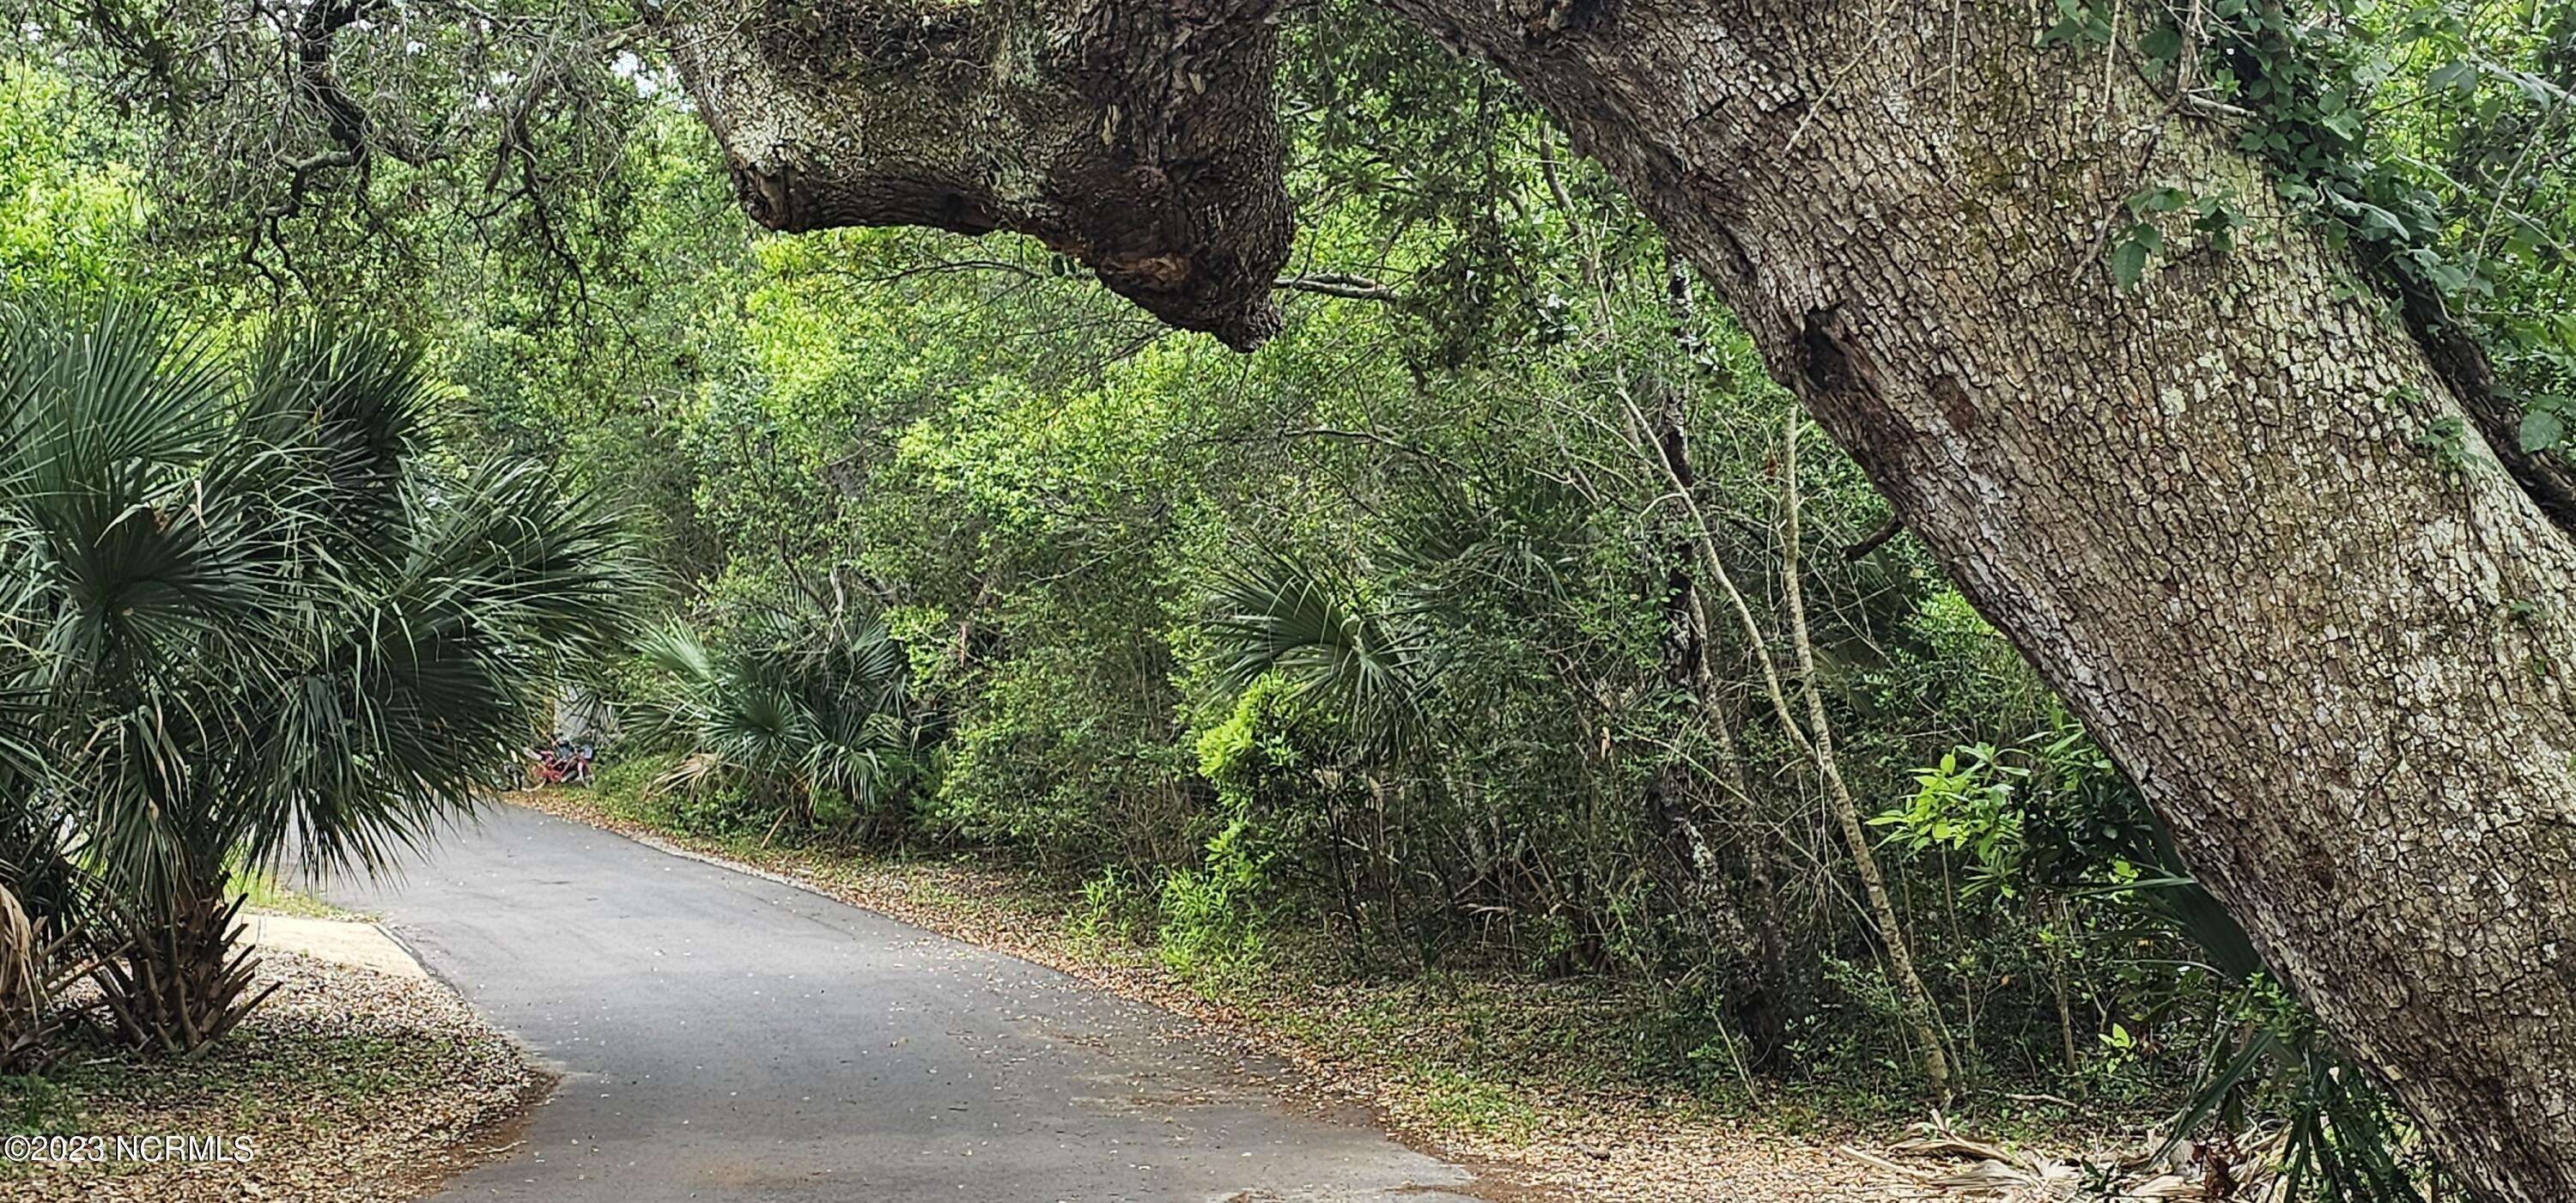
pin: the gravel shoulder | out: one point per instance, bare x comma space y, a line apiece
350, 1086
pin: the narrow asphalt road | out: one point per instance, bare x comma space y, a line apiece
725, 1037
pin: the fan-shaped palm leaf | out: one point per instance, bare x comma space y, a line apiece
243, 622
1279, 614
798, 702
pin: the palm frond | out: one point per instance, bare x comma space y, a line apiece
1276, 613
347, 405
675, 649
797, 702
103, 417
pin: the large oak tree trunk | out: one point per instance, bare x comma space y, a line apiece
2233, 515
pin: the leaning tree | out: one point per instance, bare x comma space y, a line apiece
2235, 478
2258, 514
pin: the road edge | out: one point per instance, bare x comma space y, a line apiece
1331, 1095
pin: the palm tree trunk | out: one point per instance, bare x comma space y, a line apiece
181, 984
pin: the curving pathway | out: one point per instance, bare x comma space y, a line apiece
725, 1037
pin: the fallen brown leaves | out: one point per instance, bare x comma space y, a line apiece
1576, 1142
353, 1086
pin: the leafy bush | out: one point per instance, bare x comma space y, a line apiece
1118, 905
1215, 916
1048, 762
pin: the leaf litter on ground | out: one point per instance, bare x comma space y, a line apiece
352, 1086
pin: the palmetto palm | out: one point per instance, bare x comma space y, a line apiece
797, 705
1278, 613
242, 618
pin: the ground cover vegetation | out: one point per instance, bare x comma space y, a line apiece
1501, 616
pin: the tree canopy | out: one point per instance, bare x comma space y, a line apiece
2220, 354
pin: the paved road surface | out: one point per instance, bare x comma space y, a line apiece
724, 1037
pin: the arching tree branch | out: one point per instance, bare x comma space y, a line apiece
1140, 139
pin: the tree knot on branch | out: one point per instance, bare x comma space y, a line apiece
1551, 18
1140, 138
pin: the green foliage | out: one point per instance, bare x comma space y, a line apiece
1280, 615
242, 611
2544, 423
1399, 631
1367, 634
2433, 138
343, 158
2051, 818
32, 1106
1118, 906
2340, 1136
2446, 443
69, 212
801, 707
1290, 782
1268, 752
2077, 22
1216, 915
354, 642
1966, 804
2216, 219
628, 786
2048, 811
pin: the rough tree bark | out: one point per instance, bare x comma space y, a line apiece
2235, 515
1735, 860
1141, 139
